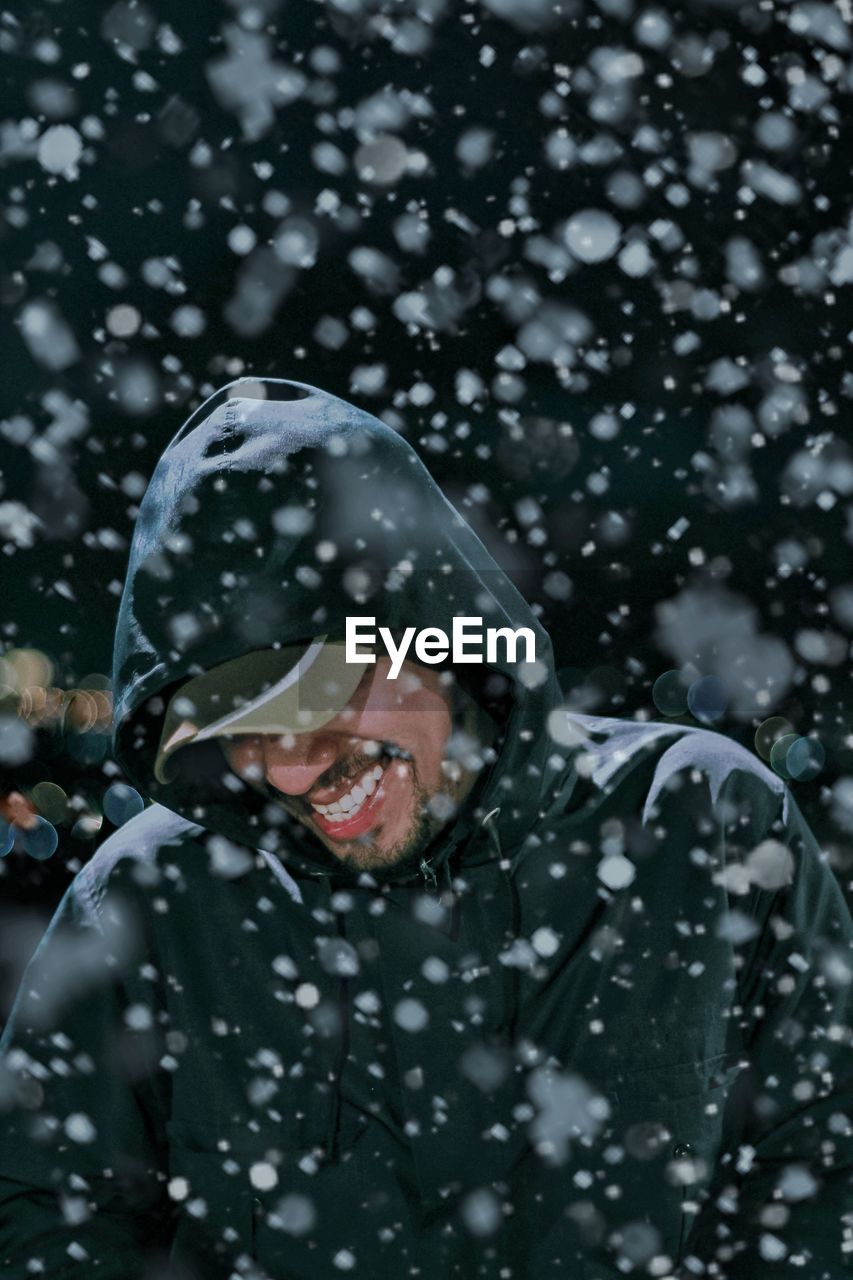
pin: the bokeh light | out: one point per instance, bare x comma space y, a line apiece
7, 837
87, 826
121, 803
769, 732
51, 801
25, 676
805, 758
707, 699
18, 809
81, 711
20, 668
82, 719
669, 694
41, 840
779, 753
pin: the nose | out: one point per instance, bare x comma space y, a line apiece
294, 769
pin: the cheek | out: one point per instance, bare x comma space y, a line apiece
244, 756
428, 726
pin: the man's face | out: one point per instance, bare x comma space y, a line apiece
376, 783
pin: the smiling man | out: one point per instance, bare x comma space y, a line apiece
379, 779
374, 779
413, 974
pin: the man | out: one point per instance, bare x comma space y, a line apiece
419, 976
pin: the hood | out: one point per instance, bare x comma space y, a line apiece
276, 511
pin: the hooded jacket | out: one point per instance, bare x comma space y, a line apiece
603, 1029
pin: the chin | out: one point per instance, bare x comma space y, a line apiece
382, 862
369, 856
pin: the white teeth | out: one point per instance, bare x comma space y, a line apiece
347, 806
339, 815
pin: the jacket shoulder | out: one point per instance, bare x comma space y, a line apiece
138, 854
131, 853
612, 745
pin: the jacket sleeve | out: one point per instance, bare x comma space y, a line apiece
82, 1101
781, 1197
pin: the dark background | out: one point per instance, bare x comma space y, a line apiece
374, 198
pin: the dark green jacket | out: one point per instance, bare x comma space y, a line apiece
604, 1031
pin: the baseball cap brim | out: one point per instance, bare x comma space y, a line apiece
296, 689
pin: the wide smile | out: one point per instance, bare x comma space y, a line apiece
357, 810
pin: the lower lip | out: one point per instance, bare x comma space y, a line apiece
367, 817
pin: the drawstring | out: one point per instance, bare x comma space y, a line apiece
449, 895
429, 875
511, 972
453, 899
